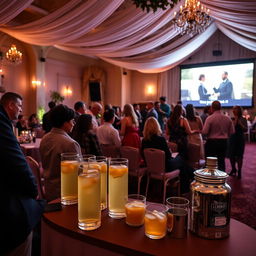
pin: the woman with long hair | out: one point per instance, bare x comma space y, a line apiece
130, 127
178, 128
237, 141
153, 139
85, 136
195, 123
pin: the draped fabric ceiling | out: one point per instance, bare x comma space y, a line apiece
118, 32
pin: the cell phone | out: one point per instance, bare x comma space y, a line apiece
53, 207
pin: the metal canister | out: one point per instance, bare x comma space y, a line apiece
211, 202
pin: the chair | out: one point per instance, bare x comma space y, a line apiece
133, 156
194, 156
34, 166
155, 160
110, 150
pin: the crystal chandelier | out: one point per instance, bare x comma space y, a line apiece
193, 18
13, 55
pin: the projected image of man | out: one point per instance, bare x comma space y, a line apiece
225, 90
202, 91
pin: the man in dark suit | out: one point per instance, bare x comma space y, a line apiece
203, 95
225, 90
47, 126
20, 212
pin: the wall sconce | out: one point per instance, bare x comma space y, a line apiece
67, 91
150, 90
36, 83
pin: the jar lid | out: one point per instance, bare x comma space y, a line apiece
211, 172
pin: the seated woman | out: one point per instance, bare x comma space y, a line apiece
33, 122
85, 136
130, 128
22, 124
153, 139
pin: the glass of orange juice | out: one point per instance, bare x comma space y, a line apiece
135, 210
69, 171
85, 160
156, 221
118, 187
100, 163
89, 212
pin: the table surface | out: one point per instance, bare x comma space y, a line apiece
31, 145
115, 235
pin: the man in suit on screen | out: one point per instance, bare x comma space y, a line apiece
225, 90
202, 91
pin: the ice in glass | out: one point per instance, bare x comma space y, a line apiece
69, 172
89, 211
118, 187
155, 221
100, 163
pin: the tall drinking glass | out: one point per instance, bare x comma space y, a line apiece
156, 221
100, 163
118, 187
89, 212
85, 160
69, 171
177, 216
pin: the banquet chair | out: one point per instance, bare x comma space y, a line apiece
155, 161
194, 156
110, 150
134, 161
34, 166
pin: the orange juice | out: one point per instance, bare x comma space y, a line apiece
135, 212
155, 224
69, 172
118, 190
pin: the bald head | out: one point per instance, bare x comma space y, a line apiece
216, 105
96, 108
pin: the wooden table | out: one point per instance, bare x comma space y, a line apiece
61, 236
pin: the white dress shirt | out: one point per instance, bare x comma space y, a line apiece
108, 135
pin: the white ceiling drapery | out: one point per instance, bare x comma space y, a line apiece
118, 32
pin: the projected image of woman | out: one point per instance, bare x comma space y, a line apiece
202, 91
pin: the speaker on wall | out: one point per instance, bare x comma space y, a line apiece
94, 89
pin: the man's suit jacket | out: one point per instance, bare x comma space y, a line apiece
226, 90
203, 93
20, 212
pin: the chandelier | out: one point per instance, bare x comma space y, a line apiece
13, 55
193, 18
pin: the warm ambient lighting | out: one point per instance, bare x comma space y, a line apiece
193, 18
67, 91
13, 55
36, 83
150, 90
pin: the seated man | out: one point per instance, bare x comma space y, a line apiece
106, 133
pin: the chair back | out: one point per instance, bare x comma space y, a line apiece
34, 166
155, 160
110, 150
194, 154
133, 156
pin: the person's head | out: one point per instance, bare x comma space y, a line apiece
109, 116
150, 105
107, 107
33, 118
224, 75
84, 124
129, 112
162, 99
176, 115
136, 106
51, 104
62, 117
216, 106
207, 109
117, 110
202, 77
179, 102
157, 105
190, 112
80, 107
96, 108
12, 103
237, 111
151, 128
